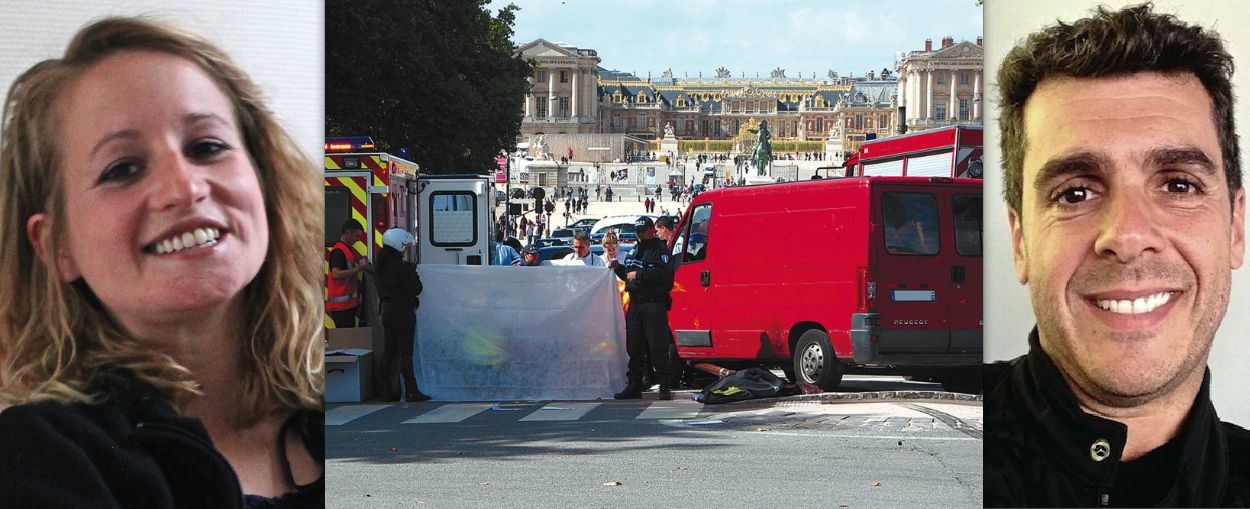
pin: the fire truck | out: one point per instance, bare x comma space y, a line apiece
952, 151
450, 215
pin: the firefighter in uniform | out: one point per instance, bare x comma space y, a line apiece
648, 276
398, 287
343, 281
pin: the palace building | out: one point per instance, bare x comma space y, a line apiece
571, 93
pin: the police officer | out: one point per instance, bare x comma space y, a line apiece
648, 276
398, 288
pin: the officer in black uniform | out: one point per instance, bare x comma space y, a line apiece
648, 276
398, 287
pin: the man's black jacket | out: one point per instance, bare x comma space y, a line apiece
655, 272
133, 450
1040, 446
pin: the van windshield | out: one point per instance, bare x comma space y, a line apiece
911, 223
967, 211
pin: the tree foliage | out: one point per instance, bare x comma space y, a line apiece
439, 78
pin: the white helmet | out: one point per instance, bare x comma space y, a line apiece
398, 239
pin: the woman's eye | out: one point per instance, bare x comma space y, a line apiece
207, 149
118, 171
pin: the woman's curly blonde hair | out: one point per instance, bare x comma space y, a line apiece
55, 340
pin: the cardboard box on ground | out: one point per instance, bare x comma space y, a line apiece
349, 364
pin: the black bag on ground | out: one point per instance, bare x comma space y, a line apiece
750, 383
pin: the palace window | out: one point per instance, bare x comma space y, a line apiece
859, 121
820, 101
564, 76
939, 111
820, 125
642, 121
681, 102
964, 109
616, 98
642, 98
562, 106
542, 75
941, 77
883, 121
963, 77
541, 102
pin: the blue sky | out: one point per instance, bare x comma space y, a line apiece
751, 36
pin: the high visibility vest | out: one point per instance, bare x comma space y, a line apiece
341, 294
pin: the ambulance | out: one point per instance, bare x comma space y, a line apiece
450, 215
825, 277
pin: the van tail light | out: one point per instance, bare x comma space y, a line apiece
867, 291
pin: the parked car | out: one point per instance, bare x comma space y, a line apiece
554, 252
585, 223
564, 234
548, 241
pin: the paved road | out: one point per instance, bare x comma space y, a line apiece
797, 452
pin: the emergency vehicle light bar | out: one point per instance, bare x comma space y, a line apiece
349, 144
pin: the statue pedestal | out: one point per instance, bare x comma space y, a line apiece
668, 146
753, 178
833, 151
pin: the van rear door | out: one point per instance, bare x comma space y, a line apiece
966, 303
913, 266
453, 216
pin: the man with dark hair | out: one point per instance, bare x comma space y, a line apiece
581, 251
343, 282
1126, 209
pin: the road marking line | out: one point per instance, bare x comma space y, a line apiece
339, 416
449, 413
677, 409
561, 412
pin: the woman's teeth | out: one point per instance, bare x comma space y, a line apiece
197, 237
1136, 306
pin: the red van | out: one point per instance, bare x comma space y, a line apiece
825, 276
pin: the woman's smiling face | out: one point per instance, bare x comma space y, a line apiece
164, 214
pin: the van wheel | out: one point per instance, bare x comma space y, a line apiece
815, 362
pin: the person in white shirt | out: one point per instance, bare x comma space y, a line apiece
581, 251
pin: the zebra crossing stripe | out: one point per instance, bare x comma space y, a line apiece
676, 409
449, 413
339, 416
561, 412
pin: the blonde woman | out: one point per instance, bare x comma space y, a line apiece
160, 281
610, 243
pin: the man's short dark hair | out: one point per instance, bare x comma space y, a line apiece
582, 236
665, 221
351, 225
1112, 44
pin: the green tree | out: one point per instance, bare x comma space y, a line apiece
439, 78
